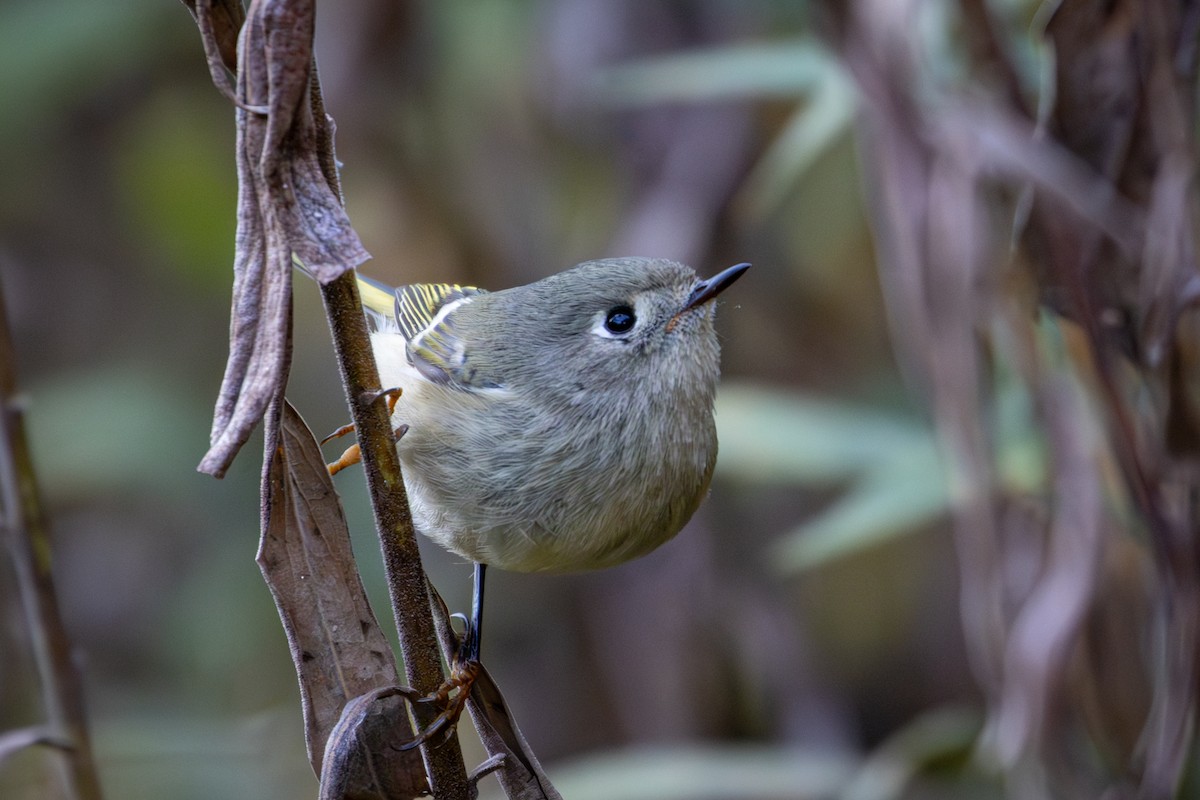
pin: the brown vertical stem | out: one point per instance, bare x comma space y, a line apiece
29, 541
406, 580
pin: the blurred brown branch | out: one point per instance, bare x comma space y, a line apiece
29, 543
1095, 280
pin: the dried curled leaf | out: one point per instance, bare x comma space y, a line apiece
364, 743
338, 648
219, 22
287, 203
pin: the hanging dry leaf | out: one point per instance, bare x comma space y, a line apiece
288, 202
219, 22
337, 645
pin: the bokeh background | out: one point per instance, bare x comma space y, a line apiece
802, 637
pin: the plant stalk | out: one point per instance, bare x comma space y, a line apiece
29, 541
407, 585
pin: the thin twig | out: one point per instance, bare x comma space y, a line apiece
29, 541
407, 586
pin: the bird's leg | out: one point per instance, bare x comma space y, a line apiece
353, 455
451, 696
473, 636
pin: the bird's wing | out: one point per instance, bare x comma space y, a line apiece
408, 310
421, 313
417, 305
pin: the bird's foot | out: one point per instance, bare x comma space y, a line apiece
451, 697
353, 454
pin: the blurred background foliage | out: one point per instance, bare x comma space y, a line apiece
801, 638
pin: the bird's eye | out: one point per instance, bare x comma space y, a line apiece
620, 319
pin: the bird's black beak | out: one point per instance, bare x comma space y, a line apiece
709, 289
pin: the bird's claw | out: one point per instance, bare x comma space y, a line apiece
392, 395
450, 698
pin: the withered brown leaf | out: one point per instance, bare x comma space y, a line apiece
338, 648
287, 205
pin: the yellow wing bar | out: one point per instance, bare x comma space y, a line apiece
418, 303
413, 307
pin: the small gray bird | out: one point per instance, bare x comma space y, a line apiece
558, 426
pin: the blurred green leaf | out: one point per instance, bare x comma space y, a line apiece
898, 483
1021, 454
176, 184
784, 69
123, 428
703, 773
887, 502
787, 69
807, 135
943, 736
897, 479
775, 436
